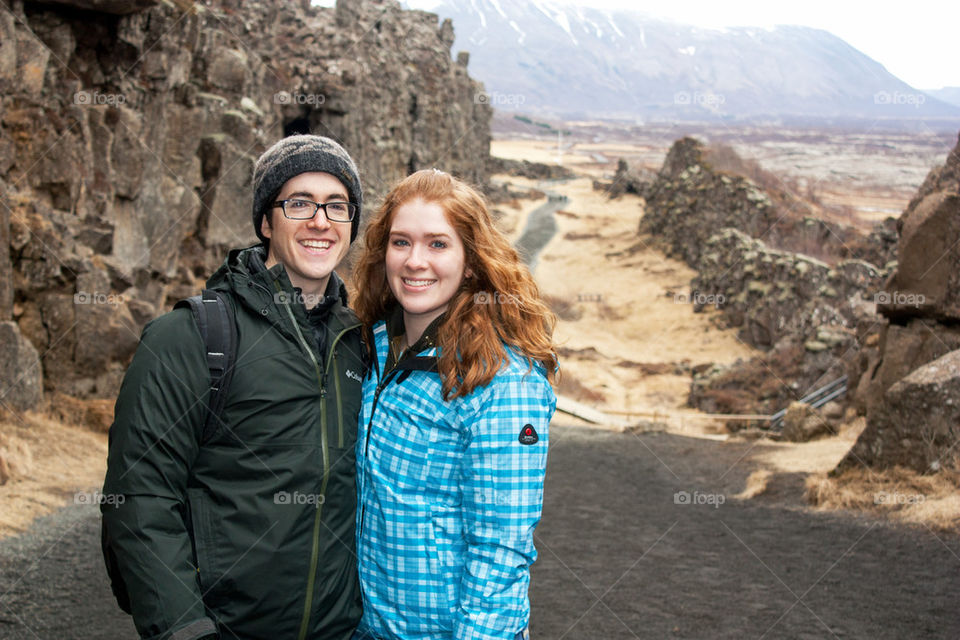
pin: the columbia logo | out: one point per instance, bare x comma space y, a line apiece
354, 375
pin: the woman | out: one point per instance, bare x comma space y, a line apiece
453, 440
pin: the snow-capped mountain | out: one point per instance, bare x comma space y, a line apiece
544, 56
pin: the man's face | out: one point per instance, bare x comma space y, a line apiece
309, 249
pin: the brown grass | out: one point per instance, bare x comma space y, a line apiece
756, 484
50, 463
899, 493
569, 386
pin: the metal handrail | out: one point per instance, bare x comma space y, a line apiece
816, 399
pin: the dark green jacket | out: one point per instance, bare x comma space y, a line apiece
252, 532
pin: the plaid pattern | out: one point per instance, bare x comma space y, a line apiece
448, 501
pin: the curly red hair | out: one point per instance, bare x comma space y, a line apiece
500, 304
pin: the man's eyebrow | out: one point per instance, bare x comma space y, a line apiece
306, 195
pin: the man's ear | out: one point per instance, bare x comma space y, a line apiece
265, 225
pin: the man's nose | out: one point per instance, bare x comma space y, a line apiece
319, 221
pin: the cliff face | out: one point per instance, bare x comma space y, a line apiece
907, 377
128, 133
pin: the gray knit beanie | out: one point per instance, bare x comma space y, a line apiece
294, 155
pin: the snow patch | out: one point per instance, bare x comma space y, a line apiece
516, 27
476, 9
688, 51
503, 14
557, 16
613, 24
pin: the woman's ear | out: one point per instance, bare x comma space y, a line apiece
468, 273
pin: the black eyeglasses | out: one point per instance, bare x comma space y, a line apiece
297, 209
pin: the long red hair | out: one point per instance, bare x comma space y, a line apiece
500, 304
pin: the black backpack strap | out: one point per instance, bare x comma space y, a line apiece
218, 328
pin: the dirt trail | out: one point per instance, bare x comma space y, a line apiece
629, 333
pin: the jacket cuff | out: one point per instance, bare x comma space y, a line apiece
190, 631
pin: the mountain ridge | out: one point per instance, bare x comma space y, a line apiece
580, 61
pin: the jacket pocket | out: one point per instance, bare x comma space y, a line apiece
204, 545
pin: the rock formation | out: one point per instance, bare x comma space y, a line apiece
627, 179
793, 284
917, 422
128, 132
773, 294
700, 190
905, 377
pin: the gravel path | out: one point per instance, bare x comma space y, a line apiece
540, 228
619, 557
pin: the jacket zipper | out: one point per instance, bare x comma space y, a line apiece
325, 453
315, 547
332, 364
366, 443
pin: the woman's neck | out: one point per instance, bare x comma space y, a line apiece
414, 327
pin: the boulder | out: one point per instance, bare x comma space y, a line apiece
917, 423
803, 422
21, 374
904, 348
927, 280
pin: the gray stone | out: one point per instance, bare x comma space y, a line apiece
917, 424
6, 267
802, 423
32, 59
8, 52
21, 374
927, 279
105, 329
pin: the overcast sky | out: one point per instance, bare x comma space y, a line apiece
915, 40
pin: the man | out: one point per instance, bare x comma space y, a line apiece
249, 533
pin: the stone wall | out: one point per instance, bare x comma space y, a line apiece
128, 133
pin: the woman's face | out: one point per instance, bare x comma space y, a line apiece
425, 262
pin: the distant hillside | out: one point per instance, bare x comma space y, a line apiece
950, 95
544, 56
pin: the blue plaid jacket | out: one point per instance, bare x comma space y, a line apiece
448, 500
